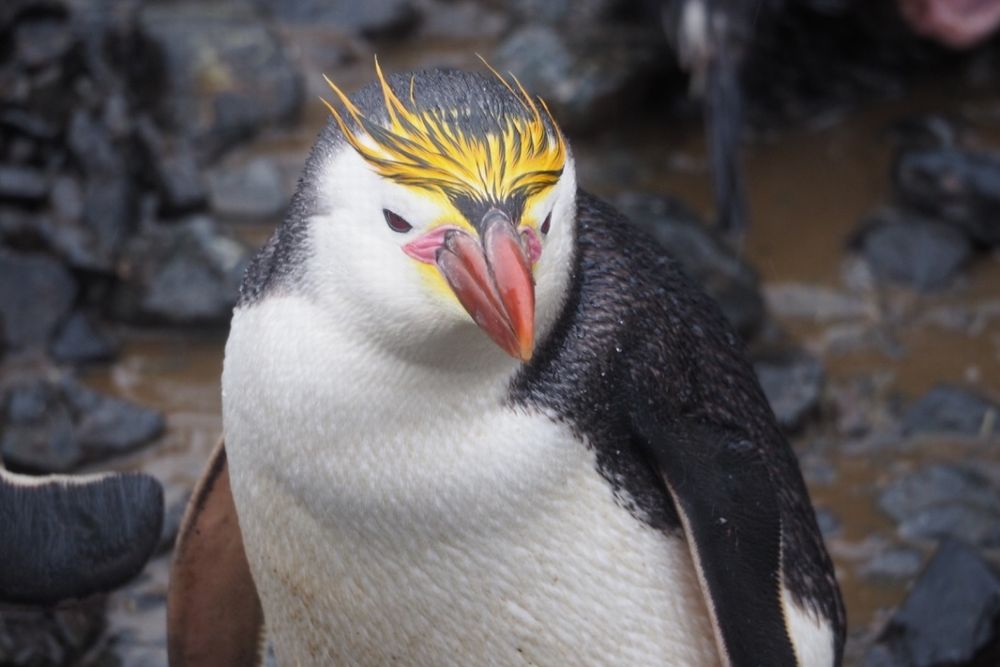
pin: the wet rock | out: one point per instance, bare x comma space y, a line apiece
372, 18
254, 190
37, 431
586, 75
703, 254
893, 564
950, 617
563, 12
43, 638
913, 251
24, 184
109, 193
175, 171
472, 19
226, 74
43, 38
945, 500
953, 186
56, 424
82, 340
793, 386
28, 124
949, 409
183, 273
829, 524
812, 302
106, 426
36, 293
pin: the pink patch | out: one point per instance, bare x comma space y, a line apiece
424, 249
531, 244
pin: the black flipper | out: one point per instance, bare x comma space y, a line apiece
64, 537
730, 512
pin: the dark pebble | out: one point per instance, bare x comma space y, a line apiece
893, 564
36, 294
23, 184
174, 170
42, 40
793, 386
944, 500
950, 409
259, 84
950, 617
828, 522
49, 637
183, 273
913, 251
107, 426
957, 187
250, 191
37, 433
588, 75
28, 124
372, 18
82, 340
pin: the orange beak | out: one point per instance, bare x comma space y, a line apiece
493, 282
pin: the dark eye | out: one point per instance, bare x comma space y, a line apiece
396, 222
545, 225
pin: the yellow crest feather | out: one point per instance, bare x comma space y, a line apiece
427, 149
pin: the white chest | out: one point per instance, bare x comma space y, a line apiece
382, 527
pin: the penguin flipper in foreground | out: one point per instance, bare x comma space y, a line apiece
727, 505
214, 616
65, 537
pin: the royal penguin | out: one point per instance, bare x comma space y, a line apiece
473, 416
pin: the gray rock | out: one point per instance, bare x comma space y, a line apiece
109, 196
106, 426
893, 564
82, 340
793, 386
587, 75
183, 273
703, 254
957, 187
254, 190
36, 293
37, 432
950, 617
945, 500
50, 637
566, 12
471, 19
828, 522
226, 74
371, 18
43, 38
174, 170
913, 251
24, 184
950, 409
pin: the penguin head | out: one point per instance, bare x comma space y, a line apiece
442, 202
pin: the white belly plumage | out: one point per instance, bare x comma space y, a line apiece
384, 526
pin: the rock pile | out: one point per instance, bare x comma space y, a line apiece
945, 203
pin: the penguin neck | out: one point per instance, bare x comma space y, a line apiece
453, 365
